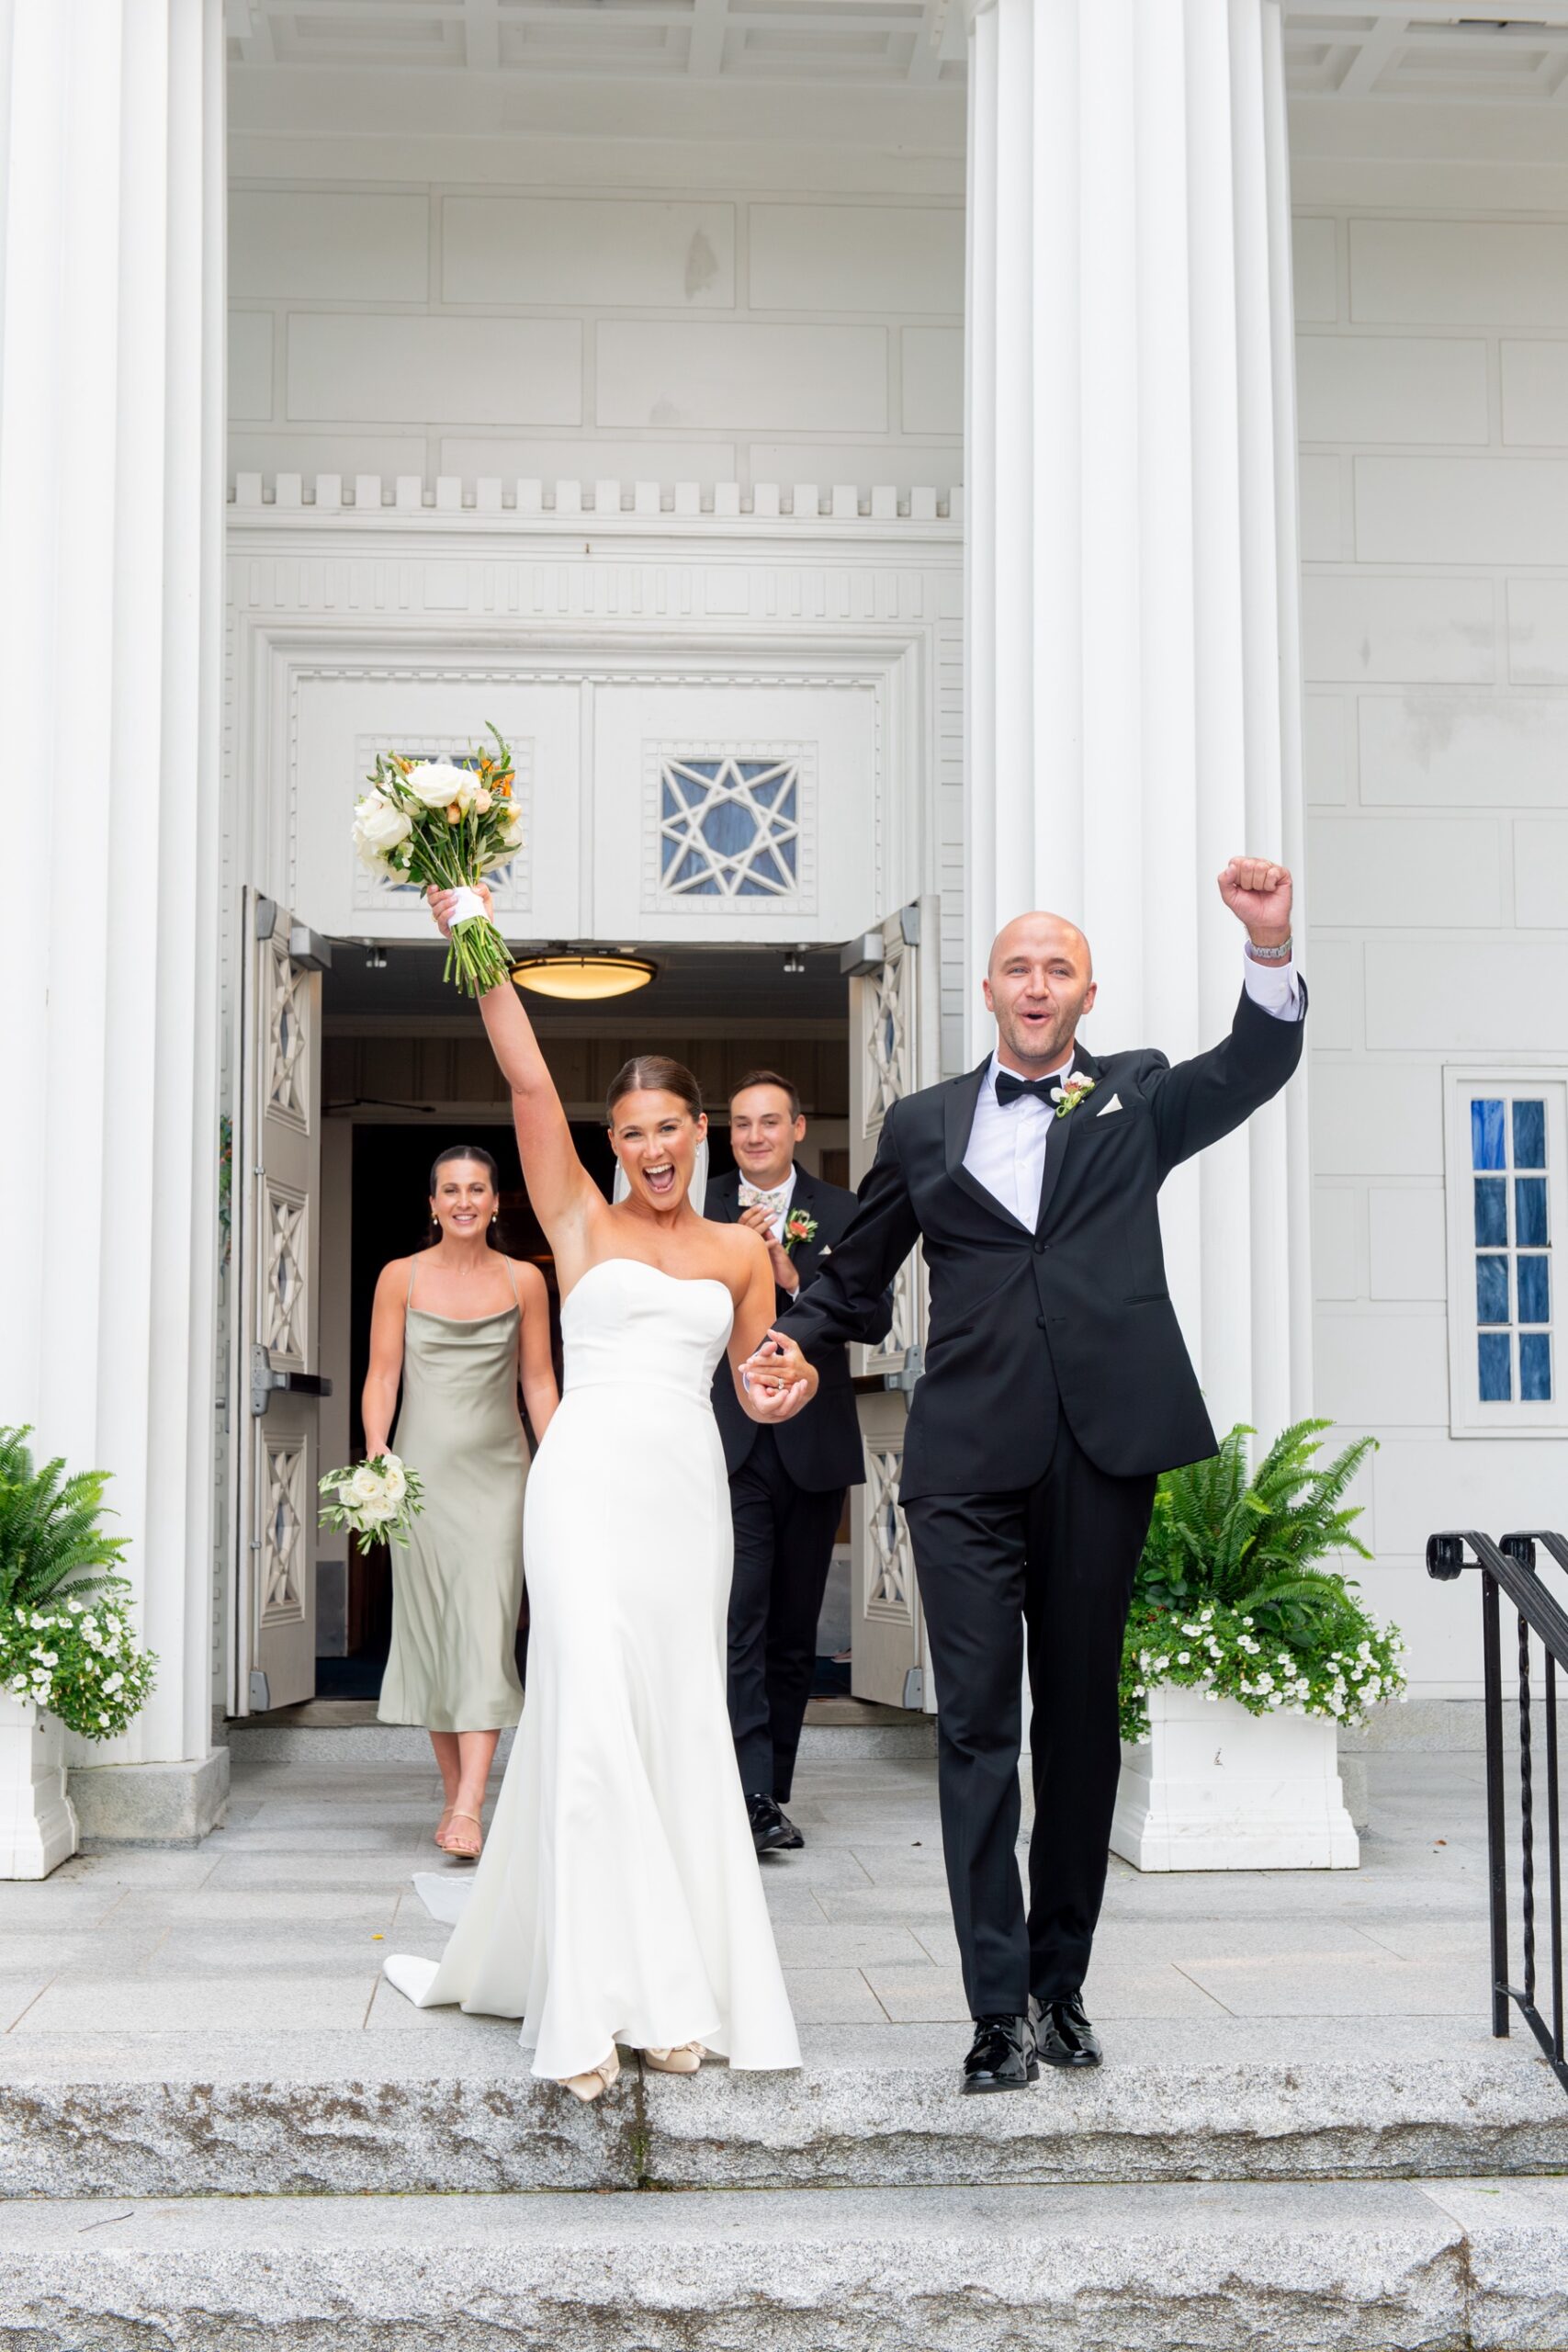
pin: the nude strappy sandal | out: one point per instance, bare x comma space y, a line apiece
444, 1837
598, 2079
684, 2060
439, 1832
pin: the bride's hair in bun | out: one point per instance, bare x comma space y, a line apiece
655, 1074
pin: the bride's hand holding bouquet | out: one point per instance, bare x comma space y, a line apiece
442, 828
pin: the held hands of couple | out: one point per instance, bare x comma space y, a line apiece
778, 1379
1258, 894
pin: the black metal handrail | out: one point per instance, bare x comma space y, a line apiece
1509, 1567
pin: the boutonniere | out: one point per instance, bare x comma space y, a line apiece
798, 1227
1068, 1097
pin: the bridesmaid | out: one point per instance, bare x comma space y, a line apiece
459, 1325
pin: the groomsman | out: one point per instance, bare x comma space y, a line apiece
787, 1484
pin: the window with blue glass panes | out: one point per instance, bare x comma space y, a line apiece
1512, 1249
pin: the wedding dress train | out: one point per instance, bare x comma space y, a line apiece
618, 1898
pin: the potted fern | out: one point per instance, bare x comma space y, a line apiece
1245, 1648
68, 1658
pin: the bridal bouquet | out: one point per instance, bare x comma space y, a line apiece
378, 1499
435, 821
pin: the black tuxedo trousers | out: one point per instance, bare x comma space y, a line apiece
1044, 1573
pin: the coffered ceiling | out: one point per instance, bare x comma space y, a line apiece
883, 43
1337, 50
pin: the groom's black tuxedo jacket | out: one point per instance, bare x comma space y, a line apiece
1069, 1315
821, 1448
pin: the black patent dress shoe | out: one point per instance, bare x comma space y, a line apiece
1063, 2034
773, 1832
1001, 2056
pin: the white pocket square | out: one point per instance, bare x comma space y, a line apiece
1106, 1108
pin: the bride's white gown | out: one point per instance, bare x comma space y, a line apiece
619, 1897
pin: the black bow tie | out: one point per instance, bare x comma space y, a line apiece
1009, 1088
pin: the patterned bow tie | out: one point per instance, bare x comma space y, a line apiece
1044, 1089
753, 1198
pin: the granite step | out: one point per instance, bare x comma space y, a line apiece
451, 2109
334, 1732
1436, 2265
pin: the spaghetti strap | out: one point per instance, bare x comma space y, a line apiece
414, 1261
511, 1278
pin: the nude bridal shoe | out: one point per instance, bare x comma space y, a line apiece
682, 2061
465, 1847
598, 2079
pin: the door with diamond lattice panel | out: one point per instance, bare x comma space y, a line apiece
277, 1158
895, 1036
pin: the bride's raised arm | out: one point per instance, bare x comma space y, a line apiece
559, 1186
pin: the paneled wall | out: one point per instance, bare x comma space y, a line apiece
1433, 392
470, 331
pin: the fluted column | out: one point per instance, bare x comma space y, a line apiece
1132, 685
111, 407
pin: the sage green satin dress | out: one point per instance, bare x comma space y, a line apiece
457, 1588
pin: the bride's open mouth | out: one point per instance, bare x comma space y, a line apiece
661, 1180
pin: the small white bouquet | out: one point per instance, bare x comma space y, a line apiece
441, 822
378, 1498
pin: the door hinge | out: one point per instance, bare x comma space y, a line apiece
915, 1689
264, 1380
261, 1693
909, 1372
910, 924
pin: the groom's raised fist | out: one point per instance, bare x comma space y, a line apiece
1257, 893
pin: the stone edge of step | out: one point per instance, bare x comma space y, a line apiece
417, 2122
1369, 2266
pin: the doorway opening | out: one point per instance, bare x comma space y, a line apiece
406, 1071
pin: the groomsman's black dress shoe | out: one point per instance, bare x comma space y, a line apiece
1001, 2057
1063, 2034
773, 1832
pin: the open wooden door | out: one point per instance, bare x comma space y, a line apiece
894, 1046
278, 1252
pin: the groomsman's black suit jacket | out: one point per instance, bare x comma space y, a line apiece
1070, 1314
821, 1448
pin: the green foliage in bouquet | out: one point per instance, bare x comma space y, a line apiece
65, 1639
377, 1500
1230, 1597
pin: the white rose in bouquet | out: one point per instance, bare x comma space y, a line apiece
378, 1498
365, 1487
394, 1484
438, 784
378, 828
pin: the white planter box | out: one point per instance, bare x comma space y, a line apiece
1217, 1789
38, 1821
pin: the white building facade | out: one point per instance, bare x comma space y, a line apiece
1055, 444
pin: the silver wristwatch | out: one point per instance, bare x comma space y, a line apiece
1281, 955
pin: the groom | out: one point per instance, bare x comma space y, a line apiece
1056, 1387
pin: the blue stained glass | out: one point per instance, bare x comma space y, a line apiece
1530, 1134
1486, 1135
1535, 1368
1491, 1212
1497, 1377
1491, 1290
1535, 1290
1529, 1212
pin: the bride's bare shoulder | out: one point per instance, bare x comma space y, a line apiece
744, 1251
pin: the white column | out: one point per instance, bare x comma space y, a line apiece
1133, 691
111, 407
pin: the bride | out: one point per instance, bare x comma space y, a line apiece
618, 1898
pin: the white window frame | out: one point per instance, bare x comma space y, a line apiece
1515, 1417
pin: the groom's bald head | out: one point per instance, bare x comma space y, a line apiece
1041, 932
1039, 983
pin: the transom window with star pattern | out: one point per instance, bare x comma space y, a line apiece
729, 828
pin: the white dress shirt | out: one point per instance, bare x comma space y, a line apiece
1006, 1145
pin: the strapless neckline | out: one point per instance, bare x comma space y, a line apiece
685, 1281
